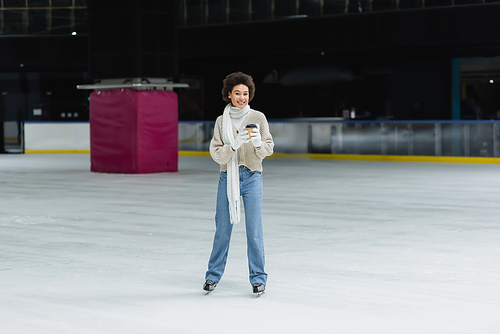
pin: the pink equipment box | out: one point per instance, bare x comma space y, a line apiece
133, 131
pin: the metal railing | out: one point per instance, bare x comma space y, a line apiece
43, 17
201, 12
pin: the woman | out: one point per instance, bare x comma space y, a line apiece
240, 160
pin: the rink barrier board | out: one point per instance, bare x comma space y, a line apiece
359, 157
293, 139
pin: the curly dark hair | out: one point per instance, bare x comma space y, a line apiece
235, 79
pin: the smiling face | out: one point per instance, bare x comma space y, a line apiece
239, 96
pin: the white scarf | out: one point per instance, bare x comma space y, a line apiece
233, 173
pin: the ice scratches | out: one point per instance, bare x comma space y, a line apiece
27, 220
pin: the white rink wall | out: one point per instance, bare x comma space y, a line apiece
73, 137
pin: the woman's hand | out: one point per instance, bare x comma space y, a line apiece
256, 139
240, 140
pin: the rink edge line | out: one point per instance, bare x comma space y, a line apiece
56, 151
359, 157
317, 156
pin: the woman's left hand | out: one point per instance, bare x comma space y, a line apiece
255, 137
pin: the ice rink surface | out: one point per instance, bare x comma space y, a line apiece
351, 247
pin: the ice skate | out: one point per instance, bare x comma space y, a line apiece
209, 286
259, 289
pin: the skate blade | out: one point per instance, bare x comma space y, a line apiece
260, 294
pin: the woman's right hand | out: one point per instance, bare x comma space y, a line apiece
240, 140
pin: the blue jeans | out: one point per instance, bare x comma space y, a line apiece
251, 192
